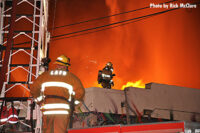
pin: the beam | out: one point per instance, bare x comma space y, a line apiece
9, 45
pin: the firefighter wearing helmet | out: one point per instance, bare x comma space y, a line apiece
105, 76
54, 91
63, 61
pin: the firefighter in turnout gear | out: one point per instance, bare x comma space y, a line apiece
105, 76
53, 91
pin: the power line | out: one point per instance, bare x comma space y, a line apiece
107, 16
99, 30
136, 19
98, 19
119, 22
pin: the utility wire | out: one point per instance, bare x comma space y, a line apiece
99, 30
106, 16
97, 19
119, 22
136, 19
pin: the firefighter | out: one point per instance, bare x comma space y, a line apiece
53, 91
105, 76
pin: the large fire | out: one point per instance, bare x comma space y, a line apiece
153, 49
137, 84
163, 49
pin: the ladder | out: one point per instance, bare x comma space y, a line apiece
23, 44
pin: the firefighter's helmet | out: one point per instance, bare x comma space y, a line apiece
109, 64
63, 60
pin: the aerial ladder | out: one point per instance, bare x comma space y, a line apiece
23, 44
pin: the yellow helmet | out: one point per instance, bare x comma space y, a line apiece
109, 64
63, 60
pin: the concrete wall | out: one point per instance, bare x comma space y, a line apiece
160, 98
103, 100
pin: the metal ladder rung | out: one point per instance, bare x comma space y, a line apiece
23, 65
20, 82
19, 15
17, 48
25, 48
27, 42
15, 65
28, 31
15, 98
22, 32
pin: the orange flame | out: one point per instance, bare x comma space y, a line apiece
137, 84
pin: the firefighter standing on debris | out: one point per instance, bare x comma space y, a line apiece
105, 76
53, 91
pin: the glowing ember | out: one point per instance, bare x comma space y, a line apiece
137, 84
